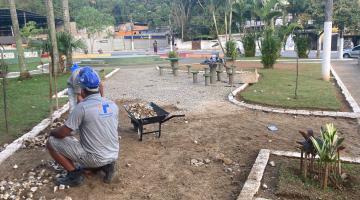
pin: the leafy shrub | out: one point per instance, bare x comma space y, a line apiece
270, 48
302, 45
172, 54
230, 49
249, 42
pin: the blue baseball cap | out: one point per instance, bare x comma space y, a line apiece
89, 79
74, 67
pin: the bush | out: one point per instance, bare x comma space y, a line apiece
249, 42
172, 54
302, 45
231, 51
270, 48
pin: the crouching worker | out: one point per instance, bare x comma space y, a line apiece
96, 118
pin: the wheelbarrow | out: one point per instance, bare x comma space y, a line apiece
161, 117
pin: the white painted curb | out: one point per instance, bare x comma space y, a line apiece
112, 73
253, 181
232, 99
14, 146
346, 92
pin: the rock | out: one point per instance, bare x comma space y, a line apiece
127, 165
61, 187
219, 156
33, 189
30, 195
270, 140
227, 161
15, 166
264, 186
55, 188
207, 161
186, 122
344, 176
228, 170
193, 161
196, 142
67, 198
5, 196
5, 145
272, 163
2, 188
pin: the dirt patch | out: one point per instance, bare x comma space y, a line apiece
162, 169
284, 181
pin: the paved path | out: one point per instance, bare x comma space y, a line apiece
349, 73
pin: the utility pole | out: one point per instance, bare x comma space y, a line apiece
55, 53
67, 28
327, 40
20, 50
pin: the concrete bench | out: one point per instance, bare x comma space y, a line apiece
195, 76
218, 74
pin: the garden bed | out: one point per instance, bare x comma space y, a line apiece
276, 88
284, 181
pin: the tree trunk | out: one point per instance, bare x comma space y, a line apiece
226, 30
55, 57
217, 32
66, 17
327, 40
326, 176
20, 50
341, 44
230, 21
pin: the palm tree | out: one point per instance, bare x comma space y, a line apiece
66, 45
267, 11
24, 73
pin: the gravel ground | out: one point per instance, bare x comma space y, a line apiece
146, 84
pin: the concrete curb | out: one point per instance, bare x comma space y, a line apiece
346, 92
232, 99
112, 73
14, 146
253, 182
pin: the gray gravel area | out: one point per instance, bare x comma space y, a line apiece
147, 85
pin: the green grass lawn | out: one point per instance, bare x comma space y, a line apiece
276, 88
28, 104
30, 66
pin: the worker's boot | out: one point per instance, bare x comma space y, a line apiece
109, 171
73, 178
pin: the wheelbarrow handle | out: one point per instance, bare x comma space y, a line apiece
170, 117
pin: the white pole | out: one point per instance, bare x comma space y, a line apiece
341, 47
327, 51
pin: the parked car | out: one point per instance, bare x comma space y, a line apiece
352, 53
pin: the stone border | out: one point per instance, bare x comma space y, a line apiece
253, 182
16, 145
232, 99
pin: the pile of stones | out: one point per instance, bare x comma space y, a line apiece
140, 110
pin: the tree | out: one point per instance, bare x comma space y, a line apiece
94, 22
30, 30
66, 17
67, 44
182, 12
55, 54
24, 73
327, 40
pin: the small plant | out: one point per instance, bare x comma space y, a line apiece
328, 148
172, 54
249, 42
302, 45
231, 51
270, 48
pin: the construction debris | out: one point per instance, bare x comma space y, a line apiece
140, 110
